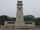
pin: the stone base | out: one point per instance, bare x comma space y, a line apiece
19, 23
19, 29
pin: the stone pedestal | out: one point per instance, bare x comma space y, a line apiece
5, 23
33, 23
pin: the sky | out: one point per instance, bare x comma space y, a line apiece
30, 7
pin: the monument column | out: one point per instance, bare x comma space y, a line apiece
19, 14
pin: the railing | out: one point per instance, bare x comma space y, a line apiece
13, 22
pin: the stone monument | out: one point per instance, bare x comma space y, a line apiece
19, 15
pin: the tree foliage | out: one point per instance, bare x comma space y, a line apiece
29, 18
37, 21
7, 18
4, 18
26, 18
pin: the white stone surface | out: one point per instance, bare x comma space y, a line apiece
33, 24
19, 16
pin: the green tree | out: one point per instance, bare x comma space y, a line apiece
4, 18
29, 18
37, 21
13, 19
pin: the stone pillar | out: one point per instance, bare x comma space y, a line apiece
5, 23
19, 15
33, 24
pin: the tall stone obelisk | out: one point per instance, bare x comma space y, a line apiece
19, 14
